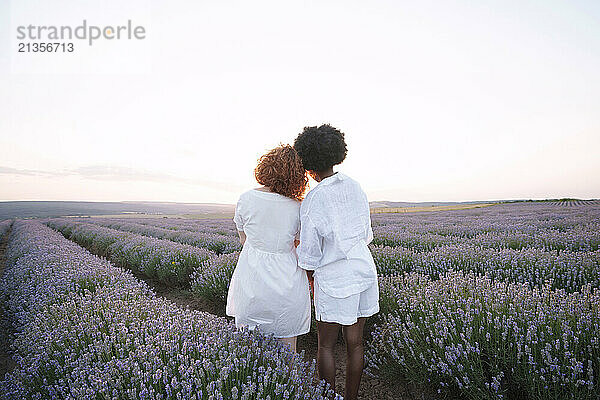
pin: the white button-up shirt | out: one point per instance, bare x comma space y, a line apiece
335, 230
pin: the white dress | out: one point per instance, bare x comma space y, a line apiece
268, 290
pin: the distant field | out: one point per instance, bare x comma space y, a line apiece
380, 210
45, 209
208, 215
53, 209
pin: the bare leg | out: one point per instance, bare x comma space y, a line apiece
328, 334
290, 341
353, 334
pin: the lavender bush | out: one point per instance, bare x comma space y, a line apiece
562, 270
85, 329
481, 339
223, 226
169, 262
212, 280
210, 240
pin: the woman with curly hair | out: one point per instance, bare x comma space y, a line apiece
267, 289
336, 229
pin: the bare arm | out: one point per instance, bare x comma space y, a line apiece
242, 237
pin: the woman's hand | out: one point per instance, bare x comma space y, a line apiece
242, 237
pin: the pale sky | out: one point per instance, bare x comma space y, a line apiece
439, 100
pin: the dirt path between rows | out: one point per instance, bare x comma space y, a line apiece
6, 362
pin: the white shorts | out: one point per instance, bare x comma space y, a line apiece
346, 310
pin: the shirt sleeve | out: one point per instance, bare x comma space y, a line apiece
309, 250
369, 231
238, 219
369, 225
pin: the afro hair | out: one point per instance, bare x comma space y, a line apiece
320, 148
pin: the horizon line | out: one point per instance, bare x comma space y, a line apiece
370, 201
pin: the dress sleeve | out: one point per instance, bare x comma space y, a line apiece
238, 218
309, 250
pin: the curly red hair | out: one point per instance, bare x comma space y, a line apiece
282, 172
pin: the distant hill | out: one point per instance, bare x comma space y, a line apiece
42, 209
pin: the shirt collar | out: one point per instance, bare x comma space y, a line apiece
333, 178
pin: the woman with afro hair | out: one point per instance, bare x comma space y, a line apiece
335, 231
267, 289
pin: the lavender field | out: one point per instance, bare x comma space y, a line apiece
501, 302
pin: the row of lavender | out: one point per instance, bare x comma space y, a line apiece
566, 270
548, 240
573, 202
207, 237
513, 226
218, 226
472, 337
85, 329
204, 272
165, 260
